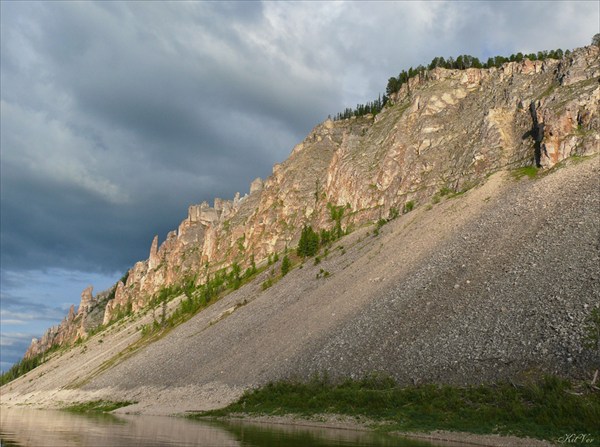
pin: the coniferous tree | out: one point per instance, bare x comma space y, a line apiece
309, 242
285, 265
462, 62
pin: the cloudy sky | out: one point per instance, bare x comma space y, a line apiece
116, 116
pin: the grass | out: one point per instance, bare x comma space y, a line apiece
548, 91
526, 171
450, 193
534, 172
546, 409
97, 406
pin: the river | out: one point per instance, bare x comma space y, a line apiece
44, 428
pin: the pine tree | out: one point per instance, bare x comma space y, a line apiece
309, 242
285, 265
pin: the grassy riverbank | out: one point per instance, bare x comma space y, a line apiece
548, 409
96, 406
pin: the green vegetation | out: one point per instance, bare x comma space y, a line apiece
380, 223
97, 406
336, 213
271, 435
197, 297
323, 274
113, 291
526, 171
372, 107
25, 365
252, 270
546, 409
394, 213
592, 330
267, 283
121, 312
408, 206
465, 61
272, 259
461, 62
234, 278
548, 91
309, 242
286, 265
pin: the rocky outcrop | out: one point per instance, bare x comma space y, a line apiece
87, 301
444, 129
76, 325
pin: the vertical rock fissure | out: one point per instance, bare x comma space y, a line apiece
537, 132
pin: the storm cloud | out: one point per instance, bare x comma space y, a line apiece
117, 116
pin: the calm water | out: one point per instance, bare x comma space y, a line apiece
40, 428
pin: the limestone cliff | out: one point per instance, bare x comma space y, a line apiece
443, 129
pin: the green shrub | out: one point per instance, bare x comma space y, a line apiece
323, 274
234, 279
326, 237
336, 213
252, 270
267, 283
380, 223
285, 265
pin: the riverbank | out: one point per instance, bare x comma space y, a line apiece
341, 422
535, 413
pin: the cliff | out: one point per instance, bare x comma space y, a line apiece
444, 130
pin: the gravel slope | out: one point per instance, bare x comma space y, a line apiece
490, 285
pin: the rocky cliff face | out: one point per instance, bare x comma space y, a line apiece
443, 129
89, 315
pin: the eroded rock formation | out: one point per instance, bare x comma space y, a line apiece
443, 129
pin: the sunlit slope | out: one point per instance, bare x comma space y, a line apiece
486, 286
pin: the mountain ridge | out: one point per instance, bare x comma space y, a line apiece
462, 292
445, 129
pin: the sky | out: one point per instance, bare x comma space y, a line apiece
116, 116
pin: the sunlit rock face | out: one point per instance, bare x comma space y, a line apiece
442, 129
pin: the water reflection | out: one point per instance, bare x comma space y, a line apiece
27, 427
259, 435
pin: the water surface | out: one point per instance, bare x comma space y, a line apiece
43, 428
